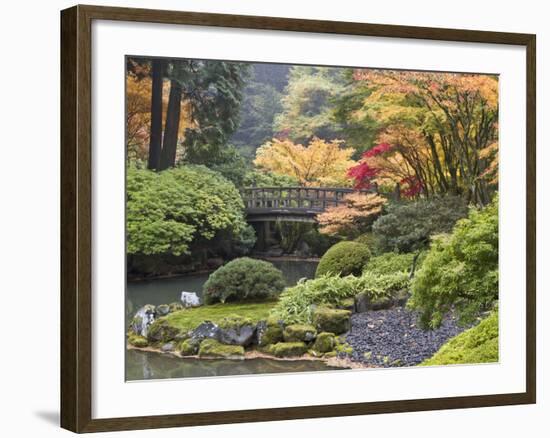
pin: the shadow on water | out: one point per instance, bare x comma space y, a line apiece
144, 365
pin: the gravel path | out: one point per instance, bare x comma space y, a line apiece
390, 338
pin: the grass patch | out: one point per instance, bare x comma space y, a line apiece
188, 319
476, 345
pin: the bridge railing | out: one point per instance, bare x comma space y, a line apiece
294, 198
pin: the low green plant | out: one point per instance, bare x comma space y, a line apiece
476, 345
460, 270
296, 304
343, 259
243, 279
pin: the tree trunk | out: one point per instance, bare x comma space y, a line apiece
170, 141
155, 137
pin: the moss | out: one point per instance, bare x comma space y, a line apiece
324, 342
188, 347
343, 259
331, 320
299, 333
330, 354
343, 347
137, 341
347, 303
288, 349
212, 348
271, 335
162, 331
234, 322
381, 303
476, 345
187, 319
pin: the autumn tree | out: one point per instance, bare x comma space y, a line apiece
352, 217
320, 163
437, 124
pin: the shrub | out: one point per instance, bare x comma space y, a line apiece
169, 211
317, 242
243, 279
476, 345
407, 226
460, 270
344, 258
296, 303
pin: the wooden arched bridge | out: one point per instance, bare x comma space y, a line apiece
291, 204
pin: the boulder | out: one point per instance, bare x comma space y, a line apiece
161, 331
267, 334
205, 330
174, 307
332, 320
324, 342
288, 349
137, 341
381, 303
236, 330
169, 346
299, 333
361, 303
143, 318
213, 349
190, 299
188, 347
347, 304
163, 310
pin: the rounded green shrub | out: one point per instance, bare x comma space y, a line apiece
343, 259
243, 279
476, 345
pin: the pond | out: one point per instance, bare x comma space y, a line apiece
167, 290
143, 365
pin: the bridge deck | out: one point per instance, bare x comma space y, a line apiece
292, 203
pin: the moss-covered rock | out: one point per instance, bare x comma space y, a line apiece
236, 330
163, 310
267, 334
213, 349
342, 347
299, 333
288, 349
175, 306
162, 331
336, 321
188, 347
324, 342
137, 341
381, 303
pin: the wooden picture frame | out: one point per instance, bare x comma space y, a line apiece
76, 217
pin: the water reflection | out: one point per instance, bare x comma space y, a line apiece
143, 365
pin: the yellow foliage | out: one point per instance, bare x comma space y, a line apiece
320, 163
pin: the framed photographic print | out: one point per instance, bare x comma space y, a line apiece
268, 218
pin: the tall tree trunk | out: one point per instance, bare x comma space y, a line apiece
155, 137
170, 141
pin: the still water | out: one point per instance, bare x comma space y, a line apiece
141, 365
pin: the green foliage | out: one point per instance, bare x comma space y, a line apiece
476, 345
460, 270
259, 178
391, 262
184, 320
307, 104
295, 303
407, 226
231, 165
372, 241
291, 234
318, 243
170, 211
213, 92
344, 258
243, 279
